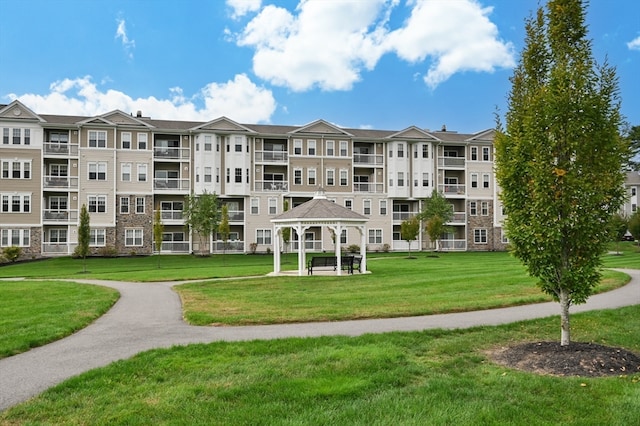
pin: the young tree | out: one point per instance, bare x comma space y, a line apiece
617, 228
224, 229
436, 212
286, 232
84, 234
409, 230
202, 215
560, 158
634, 226
158, 230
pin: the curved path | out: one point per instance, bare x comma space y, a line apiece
149, 316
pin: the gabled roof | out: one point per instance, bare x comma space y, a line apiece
225, 124
319, 208
413, 132
121, 118
16, 110
485, 136
322, 127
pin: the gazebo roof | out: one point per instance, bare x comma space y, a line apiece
320, 209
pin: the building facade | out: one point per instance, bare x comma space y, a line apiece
124, 167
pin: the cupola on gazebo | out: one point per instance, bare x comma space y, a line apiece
318, 212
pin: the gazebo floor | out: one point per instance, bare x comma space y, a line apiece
319, 272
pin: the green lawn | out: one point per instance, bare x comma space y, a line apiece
433, 377
33, 313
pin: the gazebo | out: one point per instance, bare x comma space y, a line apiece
318, 212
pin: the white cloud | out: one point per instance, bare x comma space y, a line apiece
457, 35
328, 44
239, 99
634, 44
242, 7
121, 33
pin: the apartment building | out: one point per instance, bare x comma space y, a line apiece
124, 167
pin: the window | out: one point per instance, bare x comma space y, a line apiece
139, 205
343, 236
27, 136
311, 147
503, 237
142, 141
331, 148
343, 149
474, 153
375, 236
383, 207
480, 236
473, 208
58, 236
15, 203
125, 172
217, 174
425, 150
297, 176
485, 153
331, 175
15, 237
633, 191
142, 172
133, 237
485, 180
98, 171
124, 205
5, 136
207, 143
97, 237
367, 207
273, 205
207, 174
344, 177
238, 175
255, 206
238, 144
311, 176
97, 139
126, 140
474, 180
16, 169
400, 178
16, 136
263, 236
57, 203
348, 204
228, 175
400, 151
59, 170
415, 151
297, 147
425, 179
97, 203
484, 208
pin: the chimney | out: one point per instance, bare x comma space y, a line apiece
139, 114
444, 128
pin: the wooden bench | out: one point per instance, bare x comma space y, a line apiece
321, 262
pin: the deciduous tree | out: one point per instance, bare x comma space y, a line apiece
158, 231
202, 215
560, 156
224, 229
436, 212
84, 234
409, 230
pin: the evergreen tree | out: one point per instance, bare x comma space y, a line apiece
560, 157
84, 234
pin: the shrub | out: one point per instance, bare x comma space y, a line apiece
12, 253
108, 251
386, 247
353, 248
253, 247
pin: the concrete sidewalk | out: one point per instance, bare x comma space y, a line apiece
149, 316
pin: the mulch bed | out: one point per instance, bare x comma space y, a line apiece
576, 359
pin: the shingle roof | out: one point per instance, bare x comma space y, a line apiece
319, 208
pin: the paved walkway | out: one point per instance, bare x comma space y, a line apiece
149, 316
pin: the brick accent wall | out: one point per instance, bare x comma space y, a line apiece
133, 220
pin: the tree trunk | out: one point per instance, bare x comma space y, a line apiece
565, 334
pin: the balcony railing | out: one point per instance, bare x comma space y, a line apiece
372, 159
61, 182
229, 246
64, 149
453, 245
314, 245
272, 156
451, 189
400, 216
459, 217
265, 185
236, 216
171, 184
368, 187
174, 247
50, 215
58, 248
171, 153
453, 162
171, 215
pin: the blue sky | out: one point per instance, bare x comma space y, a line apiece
383, 64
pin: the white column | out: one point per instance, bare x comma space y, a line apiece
338, 231
363, 248
276, 254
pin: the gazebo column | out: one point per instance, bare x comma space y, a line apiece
276, 253
300, 230
363, 248
337, 230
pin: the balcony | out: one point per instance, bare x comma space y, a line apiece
313, 245
59, 216
171, 153
230, 246
58, 248
174, 247
451, 162
171, 184
60, 149
459, 218
402, 216
271, 186
376, 188
453, 245
60, 182
368, 159
452, 189
236, 216
271, 157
